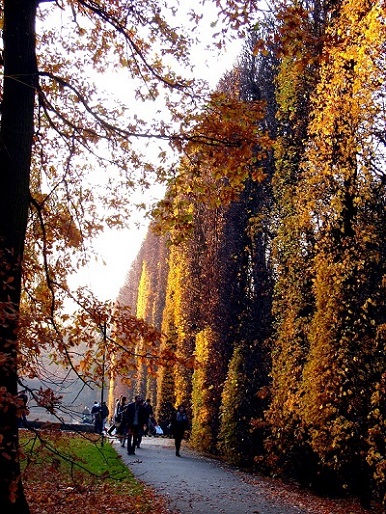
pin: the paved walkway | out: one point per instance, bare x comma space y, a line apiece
194, 484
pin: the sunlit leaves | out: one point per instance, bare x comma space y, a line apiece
202, 400
224, 149
329, 250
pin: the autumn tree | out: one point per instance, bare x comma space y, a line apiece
173, 331
51, 115
299, 29
215, 211
245, 393
201, 208
344, 364
143, 292
329, 189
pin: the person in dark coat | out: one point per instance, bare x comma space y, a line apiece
148, 406
104, 415
121, 429
134, 418
97, 417
179, 425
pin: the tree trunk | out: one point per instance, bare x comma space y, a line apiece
16, 138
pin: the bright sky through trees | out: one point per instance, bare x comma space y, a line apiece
116, 248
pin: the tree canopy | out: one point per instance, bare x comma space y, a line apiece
70, 156
260, 303
276, 275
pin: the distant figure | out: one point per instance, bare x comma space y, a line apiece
94, 410
145, 428
151, 426
23, 400
121, 428
158, 430
117, 425
97, 417
179, 425
104, 415
149, 408
86, 415
166, 427
112, 421
134, 418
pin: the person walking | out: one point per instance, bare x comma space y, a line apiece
179, 425
86, 415
119, 425
149, 408
134, 418
104, 415
116, 420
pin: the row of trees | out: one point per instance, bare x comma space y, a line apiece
70, 159
272, 303
265, 266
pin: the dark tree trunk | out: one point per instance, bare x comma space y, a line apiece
16, 138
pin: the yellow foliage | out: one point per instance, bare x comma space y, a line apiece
201, 436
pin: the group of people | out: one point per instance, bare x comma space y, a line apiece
133, 420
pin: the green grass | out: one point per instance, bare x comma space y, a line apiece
74, 454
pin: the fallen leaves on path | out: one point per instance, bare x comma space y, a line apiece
292, 494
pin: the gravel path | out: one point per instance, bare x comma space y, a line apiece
195, 484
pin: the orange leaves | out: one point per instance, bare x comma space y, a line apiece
298, 37
227, 140
53, 223
64, 486
351, 71
328, 245
223, 150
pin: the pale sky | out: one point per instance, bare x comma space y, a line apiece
118, 248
